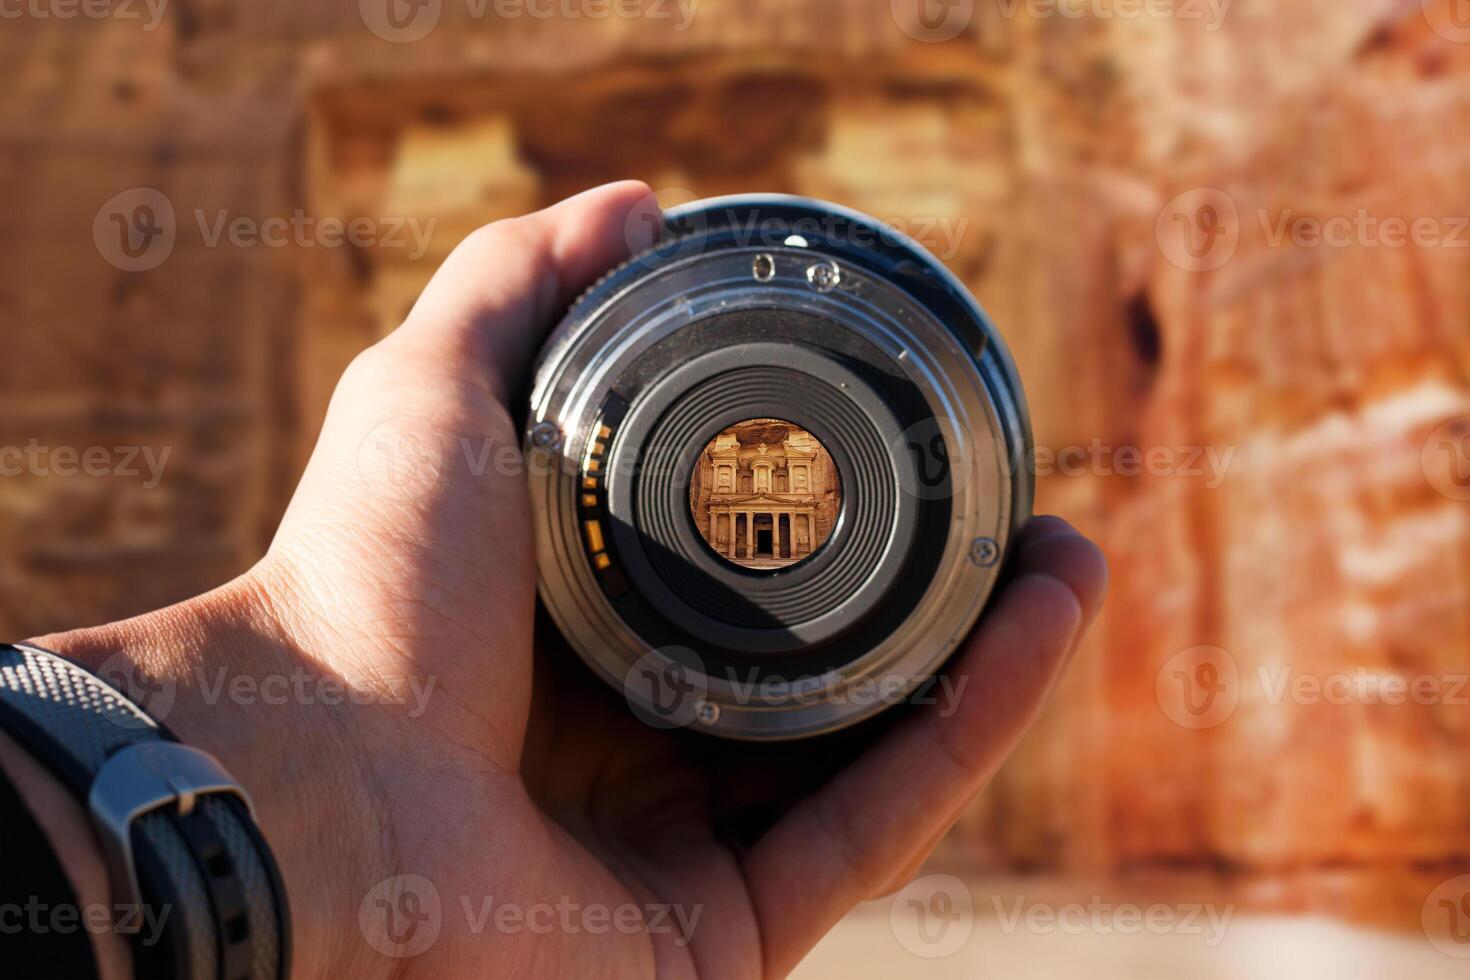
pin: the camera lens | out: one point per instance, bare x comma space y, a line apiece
775, 462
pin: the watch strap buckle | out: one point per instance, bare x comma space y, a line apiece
138, 780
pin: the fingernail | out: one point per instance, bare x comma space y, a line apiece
643, 224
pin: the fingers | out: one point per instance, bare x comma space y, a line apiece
874, 820
503, 287
1050, 542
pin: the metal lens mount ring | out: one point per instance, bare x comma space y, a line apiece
774, 307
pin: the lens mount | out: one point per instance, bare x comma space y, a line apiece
772, 307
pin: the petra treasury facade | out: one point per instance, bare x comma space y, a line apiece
765, 494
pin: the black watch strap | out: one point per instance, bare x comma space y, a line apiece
194, 884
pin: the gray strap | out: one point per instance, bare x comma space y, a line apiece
173, 825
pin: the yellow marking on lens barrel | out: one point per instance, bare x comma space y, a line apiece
594, 534
602, 562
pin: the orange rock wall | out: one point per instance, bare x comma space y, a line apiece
1131, 197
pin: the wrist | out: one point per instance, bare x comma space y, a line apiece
221, 672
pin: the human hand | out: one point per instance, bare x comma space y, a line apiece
404, 571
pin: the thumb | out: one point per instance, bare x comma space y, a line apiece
498, 292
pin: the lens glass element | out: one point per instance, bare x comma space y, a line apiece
765, 494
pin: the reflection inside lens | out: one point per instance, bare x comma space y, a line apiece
765, 494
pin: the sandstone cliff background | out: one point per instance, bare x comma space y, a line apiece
1226, 240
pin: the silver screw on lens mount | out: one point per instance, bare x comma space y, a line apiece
790, 311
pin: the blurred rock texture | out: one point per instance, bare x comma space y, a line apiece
1131, 196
